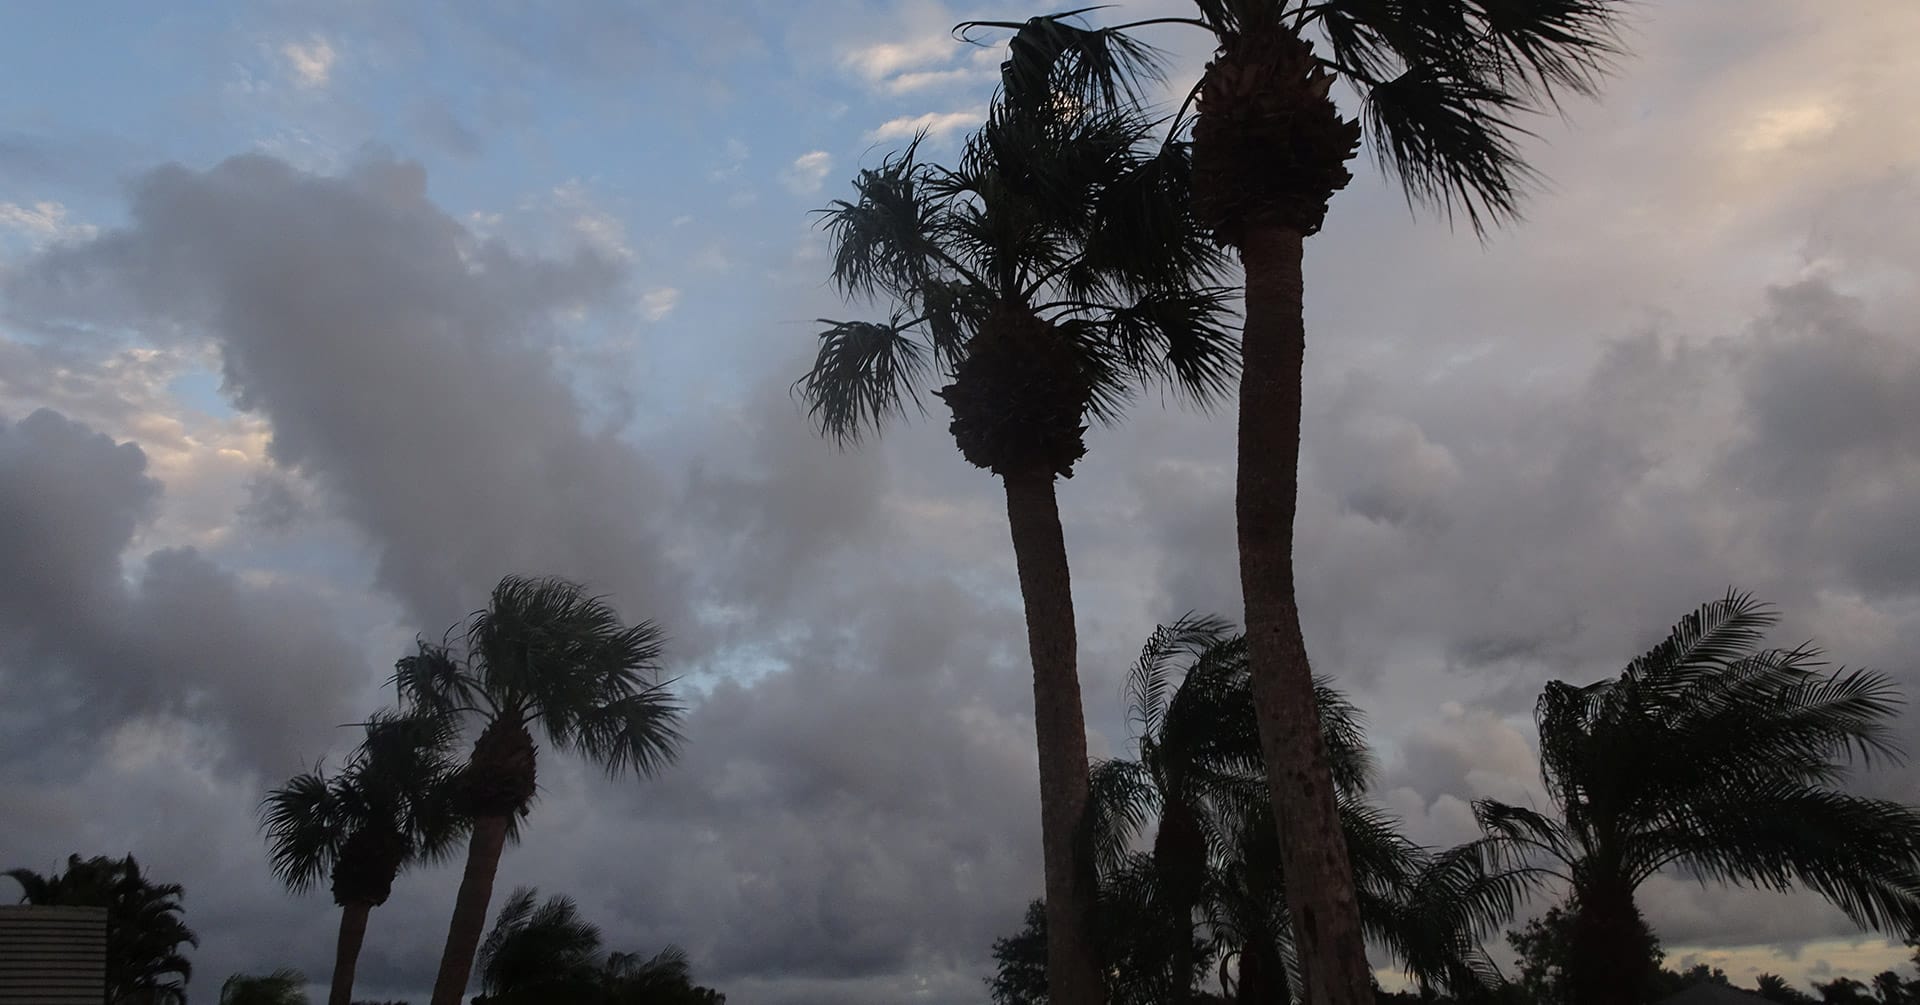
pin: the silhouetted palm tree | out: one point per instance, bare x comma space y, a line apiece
539, 952
542, 654
1198, 781
145, 929
1442, 85
282, 987
1719, 758
388, 808
548, 954
1050, 273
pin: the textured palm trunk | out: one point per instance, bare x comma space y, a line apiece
346, 951
470, 909
1609, 958
1040, 551
1313, 849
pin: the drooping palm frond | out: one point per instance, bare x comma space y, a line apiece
305, 829
1149, 681
867, 373
1058, 56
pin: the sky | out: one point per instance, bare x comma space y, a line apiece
317, 318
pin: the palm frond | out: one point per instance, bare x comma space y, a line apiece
866, 372
1149, 680
637, 732
1053, 61
1445, 84
305, 830
1450, 139
884, 240
432, 682
1180, 338
1121, 802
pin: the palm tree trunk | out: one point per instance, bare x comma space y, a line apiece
1040, 551
1610, 957
346, 951
470, 909
1326, 920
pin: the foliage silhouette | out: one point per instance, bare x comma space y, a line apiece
1443, 85
145, 924
543, 654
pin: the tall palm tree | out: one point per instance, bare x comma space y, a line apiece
145, 927
1443, 85
1031, 288
1720, 758
543, 654
391, 806
1198, 781
282, 987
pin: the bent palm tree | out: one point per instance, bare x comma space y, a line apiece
388, 808
539, 952
1442, 85
547, 953
542, 654
1054, 270
145, 929
1717, 757
1198, 781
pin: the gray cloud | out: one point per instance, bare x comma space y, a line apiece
262, 665
1523, 461
404, 365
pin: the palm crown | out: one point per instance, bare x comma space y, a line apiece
389, 806
1443, 88
546, 951
1718, 757
1050, 272
545, 653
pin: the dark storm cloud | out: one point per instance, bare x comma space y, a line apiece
404, 364
86, 652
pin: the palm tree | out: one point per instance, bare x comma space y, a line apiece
390, 807
282, 987
144, 926
1720, 758
549, 953
1031, 289
1198, 780
542, 654
1442, 86
539, 952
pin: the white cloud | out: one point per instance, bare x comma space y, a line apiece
657, 304
311, 61
937, 125
1788, 125
885, 59
921, 64
42, 222
807, 172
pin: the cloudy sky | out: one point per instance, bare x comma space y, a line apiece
317, 318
